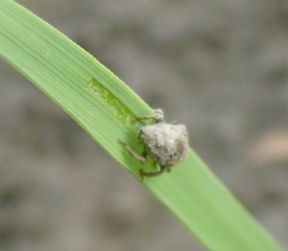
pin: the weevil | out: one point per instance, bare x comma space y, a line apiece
166, 143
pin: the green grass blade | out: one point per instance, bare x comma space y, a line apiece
106, 109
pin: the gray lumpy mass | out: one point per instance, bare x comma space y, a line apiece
166, 143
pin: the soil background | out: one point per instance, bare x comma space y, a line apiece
220, 67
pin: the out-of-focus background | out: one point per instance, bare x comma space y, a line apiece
220, 67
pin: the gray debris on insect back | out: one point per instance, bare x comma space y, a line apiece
158, 115
166, 143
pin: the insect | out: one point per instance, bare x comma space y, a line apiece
167, 144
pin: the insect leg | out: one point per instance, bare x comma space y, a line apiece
152, 174
145, 117
134, 154
158, 116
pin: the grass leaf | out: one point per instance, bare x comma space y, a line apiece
106, 109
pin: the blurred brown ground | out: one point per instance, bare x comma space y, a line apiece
219, 66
